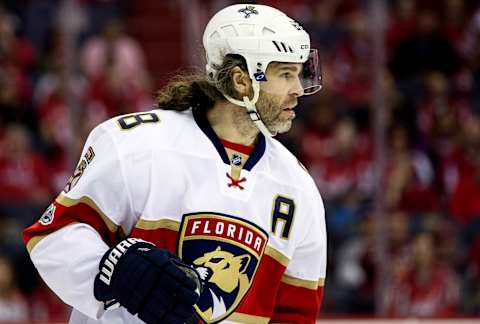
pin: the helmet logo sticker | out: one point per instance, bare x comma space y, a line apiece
260, 76
248, 11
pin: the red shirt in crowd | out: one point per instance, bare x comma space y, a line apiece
435, 295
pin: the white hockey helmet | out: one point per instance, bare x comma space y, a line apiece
260, 34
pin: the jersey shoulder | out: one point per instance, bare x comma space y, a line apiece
285, 165
147, 130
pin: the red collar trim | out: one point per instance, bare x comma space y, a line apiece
244, 149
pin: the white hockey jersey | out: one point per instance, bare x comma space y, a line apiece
165, 177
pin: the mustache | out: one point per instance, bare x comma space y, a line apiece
275, 99
292, 103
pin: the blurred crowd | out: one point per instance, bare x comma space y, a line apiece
431, 187
42, 129
432, 177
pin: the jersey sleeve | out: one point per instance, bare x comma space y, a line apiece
300, 292
92, 213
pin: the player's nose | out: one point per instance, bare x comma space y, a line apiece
297, 88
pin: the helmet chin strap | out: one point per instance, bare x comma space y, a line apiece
251, 109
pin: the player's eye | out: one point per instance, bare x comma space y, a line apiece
287, 75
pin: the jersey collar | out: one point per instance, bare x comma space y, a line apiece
200, 116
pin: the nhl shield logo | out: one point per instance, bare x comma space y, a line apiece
236, 160
226, 252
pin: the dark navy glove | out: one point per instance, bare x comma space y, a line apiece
148, 281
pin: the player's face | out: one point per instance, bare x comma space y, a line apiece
278, 96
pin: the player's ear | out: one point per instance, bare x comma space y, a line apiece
241, 82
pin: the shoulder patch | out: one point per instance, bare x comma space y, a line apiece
48, 215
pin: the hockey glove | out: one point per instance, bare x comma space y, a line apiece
148, 281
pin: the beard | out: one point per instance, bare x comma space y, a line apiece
270, 108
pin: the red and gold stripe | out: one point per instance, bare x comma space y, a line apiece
163, 233
298, 300
69, 211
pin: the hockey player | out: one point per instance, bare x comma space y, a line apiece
192, 211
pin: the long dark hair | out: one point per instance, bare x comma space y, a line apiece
197, 89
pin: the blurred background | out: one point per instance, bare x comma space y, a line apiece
392, 140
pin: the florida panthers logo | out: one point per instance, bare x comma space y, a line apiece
226, 252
